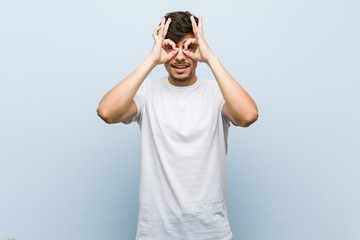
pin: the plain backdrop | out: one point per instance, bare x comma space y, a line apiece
66, 174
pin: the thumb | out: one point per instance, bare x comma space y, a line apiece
189, 53
173, 52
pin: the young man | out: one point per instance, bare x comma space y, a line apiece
184, 121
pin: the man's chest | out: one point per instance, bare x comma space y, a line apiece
187, 116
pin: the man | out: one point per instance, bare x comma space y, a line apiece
184, 121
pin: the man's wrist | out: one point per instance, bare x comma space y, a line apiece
212, 60
151, 61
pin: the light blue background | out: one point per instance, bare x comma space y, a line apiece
292, 175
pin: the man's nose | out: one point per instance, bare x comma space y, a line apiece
180, 56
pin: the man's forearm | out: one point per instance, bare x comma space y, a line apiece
238, 100
118, 99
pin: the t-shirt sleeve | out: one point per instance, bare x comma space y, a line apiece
221, 102
139, 100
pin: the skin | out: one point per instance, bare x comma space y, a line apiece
189, 76
118, 105
189, 50
239, 107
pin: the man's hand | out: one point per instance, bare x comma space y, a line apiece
163, 49
200, 50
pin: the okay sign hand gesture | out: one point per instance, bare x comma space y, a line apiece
201, 52
163, 49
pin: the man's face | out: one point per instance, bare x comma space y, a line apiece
181, 67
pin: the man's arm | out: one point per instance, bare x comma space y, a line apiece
239, 107
114, 105
117, 105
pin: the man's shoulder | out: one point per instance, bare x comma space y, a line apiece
208, 82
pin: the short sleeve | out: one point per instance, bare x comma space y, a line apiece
221, 102
139, 100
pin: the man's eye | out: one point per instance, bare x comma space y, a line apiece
189, 47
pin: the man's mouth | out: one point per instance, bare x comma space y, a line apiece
180, 68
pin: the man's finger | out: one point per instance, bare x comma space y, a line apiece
189, 53
169, 42
155, 33
200, 25
190, 41
194, 26
166, 27
173, 53
161, 27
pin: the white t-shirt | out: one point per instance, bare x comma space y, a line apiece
182, 194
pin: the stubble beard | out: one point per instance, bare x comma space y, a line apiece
182, 79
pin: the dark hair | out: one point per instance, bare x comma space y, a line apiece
180, 25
